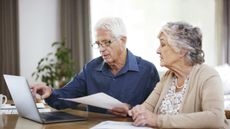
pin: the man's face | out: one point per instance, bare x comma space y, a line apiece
110, 47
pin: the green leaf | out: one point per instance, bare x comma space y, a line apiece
57, 68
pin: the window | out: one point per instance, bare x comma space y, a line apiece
144, 19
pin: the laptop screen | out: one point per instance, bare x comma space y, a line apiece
26, 106
22, 96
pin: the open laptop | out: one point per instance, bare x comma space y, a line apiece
26, 106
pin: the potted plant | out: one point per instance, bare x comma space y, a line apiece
56, 68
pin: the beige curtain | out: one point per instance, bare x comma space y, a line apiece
9, 46
226, 31
75, 25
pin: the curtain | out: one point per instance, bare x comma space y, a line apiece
9, 41
226, 31
75, 28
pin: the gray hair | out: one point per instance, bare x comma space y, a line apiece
181, 35
113, 24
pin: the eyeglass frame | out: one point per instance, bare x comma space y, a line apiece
105, 43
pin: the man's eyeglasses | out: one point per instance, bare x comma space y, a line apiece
99, 44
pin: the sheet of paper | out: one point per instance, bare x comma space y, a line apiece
101, 100
117, 125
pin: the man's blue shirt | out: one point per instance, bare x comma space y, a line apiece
131, 85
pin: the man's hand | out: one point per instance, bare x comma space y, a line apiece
120, 111
41, 90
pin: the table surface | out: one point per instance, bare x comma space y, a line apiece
14, 121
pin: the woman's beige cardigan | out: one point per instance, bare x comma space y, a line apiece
203, 105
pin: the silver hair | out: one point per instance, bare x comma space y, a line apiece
113, 24
183, 36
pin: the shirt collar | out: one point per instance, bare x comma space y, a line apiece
130, 64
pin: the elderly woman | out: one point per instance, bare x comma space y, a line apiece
190, 94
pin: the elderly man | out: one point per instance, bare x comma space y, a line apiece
117, 72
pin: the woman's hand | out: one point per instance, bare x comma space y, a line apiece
142, 116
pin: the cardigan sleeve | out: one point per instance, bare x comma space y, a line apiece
152, 99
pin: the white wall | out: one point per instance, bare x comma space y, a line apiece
38, 29
39, 26
144, 18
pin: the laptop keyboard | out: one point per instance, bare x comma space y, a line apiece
53, 116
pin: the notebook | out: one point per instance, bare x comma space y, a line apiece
26, 106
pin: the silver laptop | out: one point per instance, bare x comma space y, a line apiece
26, 106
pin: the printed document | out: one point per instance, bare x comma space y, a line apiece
117, 125
101, 100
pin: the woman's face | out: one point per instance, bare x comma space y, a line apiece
168, 56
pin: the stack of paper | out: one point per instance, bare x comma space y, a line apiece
11, 109
7, 106
12, 106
